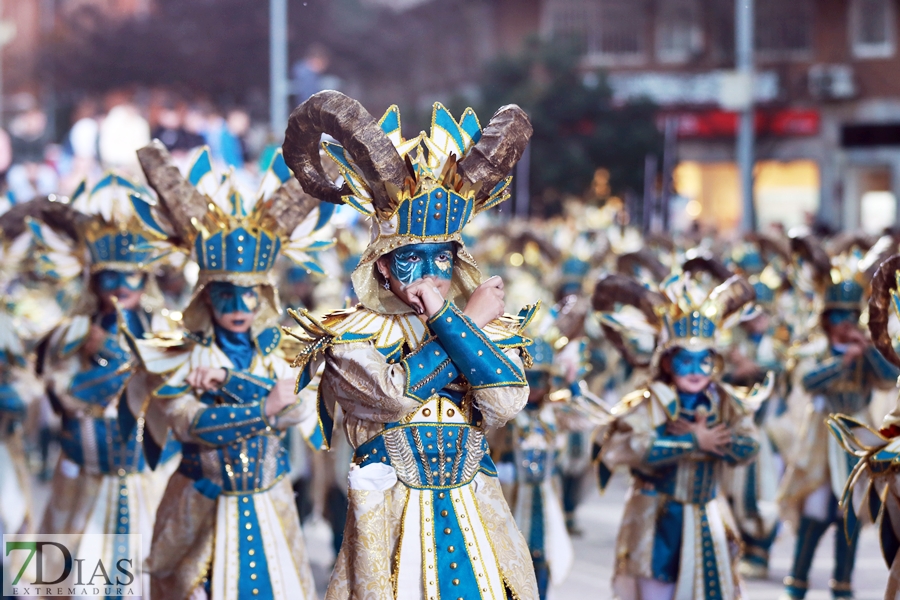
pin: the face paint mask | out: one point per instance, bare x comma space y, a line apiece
229, 298
413, 262
686, 362
110, 281
836, 317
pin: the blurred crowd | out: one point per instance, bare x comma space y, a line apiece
103, 134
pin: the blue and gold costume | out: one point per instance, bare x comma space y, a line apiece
529, 450
102, 483
427, 518
872, 492
815, 480
228, 522
15, 488
759, 347
677, 536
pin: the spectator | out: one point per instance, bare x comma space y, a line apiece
307, 73
231, 142
30, 176
122, 132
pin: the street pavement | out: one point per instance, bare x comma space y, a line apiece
599, 516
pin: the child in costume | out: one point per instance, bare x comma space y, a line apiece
759, 346
872, 492
227, 523
427, 363
102, 483
15, 485
530, 445
841, 381
677, 538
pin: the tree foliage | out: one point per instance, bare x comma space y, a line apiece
577, 127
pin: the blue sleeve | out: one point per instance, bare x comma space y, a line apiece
242, 417
242, 387
741, 449
669, 448
479, 359
825, 373
879, 366
428, 370
224, 424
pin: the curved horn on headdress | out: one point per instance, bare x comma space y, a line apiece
58, 215
883, 284
347, 121
180, 202
707, 264
884, 248
619, 289
771, 244
731, 296
613, 289
809, 248
501, 146
289, 205
848, 240
627, 263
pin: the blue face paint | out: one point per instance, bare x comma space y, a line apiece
110, 281
686, 362
838, 316
229, 298
413, 262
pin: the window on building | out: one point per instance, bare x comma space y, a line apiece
607, 31
679, 35
872, 28
784, 29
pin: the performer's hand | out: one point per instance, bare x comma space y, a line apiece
853, 352
681, 427
714, 440
281, 396
486, 302
424, 296
95, 340
206, 379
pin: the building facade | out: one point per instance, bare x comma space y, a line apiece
828, 102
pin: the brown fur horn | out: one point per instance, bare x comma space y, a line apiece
347, 121
501, 146
884, 282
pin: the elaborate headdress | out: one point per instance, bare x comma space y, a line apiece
97, 229
682, 311
232, 238
425, 189
840, 279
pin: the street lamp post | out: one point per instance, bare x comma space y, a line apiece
278, 66
743, 24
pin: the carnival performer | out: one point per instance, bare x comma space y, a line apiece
530, 443
677, 536
102, 483
227, 525
872, 492
15, 488
759, 347
426, 363
841, 381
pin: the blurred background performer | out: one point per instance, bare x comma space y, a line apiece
840, 381
102, 483
872, 493
677, 535
427, 362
